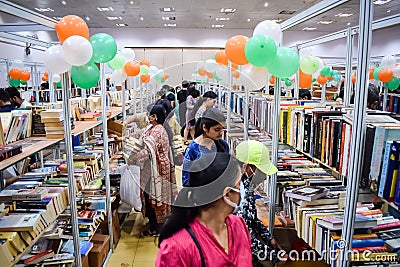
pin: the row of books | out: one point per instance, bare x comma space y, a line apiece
392, 104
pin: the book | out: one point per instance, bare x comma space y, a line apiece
307, 193
335, 223
85, 247
30, 194
24, 222
39, 257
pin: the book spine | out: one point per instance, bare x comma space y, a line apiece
384, 173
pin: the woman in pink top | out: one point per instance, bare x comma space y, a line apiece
202, 231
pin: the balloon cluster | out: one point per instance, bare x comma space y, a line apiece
18, 77
388, 72
327, 74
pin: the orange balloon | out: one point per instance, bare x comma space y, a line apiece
272, 80
385, 75
25, 75
145, 78
46, 74
234, 66
305, 80
71, 25
202, 71
165, 77
354, 78
322, 79
108, 78
371, 74
236, 74
220, 57
145, 62
14, 73
44, 79
210, 75
234, 49
330, 78
132, 68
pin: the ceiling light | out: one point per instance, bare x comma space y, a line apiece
57, 18
102, 9
228, 10
388, 11
381, 2
348, 24
63, 2
217, 25
168, 18
87, 18
121, 24
325, 22
44, 9
141, 18
114, 18
221, 19
248, 20
277, 20
131, 2
169, 24
266, 4
309, 28
343, 15
167, 9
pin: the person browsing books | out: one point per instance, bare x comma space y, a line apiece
16, 99
255, 156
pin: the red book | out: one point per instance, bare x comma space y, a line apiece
386, 226
39, 257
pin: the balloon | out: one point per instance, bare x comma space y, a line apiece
376, 72
210, 65
330, 78
58, 85
117, 62
234, 66
314, 80
14, 82
321, 79
145, 78
288, 83
23, 82
336, 78
220, 57
285, 64
71, 25
354, 78
259, 50
25, 75
321, 65
86, 76
236, 74
44, 79
158, 77
308, 51
153, 70
272, 80
144, 70
202, 71
104, 47
325, 71
56, 78
305, 80
46, 74
269, 28
53, 60
221, 72
216, 77
396, 71
210, 75
165, 77
393, 84
128, 54
309, 64
132, 68
77, 50
388, 62
255, 75
118, 76
145, 62
234, 49
14, 74
385, 75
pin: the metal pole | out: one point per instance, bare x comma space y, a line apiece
297, 77
123, 101
66, 90
141, 96
228, 99
105, 152
134, 95
51, 87
359, 128
8, 70
348, 69
275, 147
219, 97
36, 77
246, 106
385, 97
323, 94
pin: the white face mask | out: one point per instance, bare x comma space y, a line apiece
235, 206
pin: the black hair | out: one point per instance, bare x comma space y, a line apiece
193, 91
210, 94
211, 117
373, 95
185, 84
304, 93
218, 171
171, 97
4, 96
13, 92
166, 104
159, 111
200, 101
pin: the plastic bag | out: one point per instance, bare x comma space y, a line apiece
130, 186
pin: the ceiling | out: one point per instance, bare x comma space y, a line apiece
199, 14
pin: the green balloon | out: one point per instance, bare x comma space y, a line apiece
86, 76
330, 74
393, 84
376, 71
14, 83
23, 82
259, 50
104, 47
216, 77
309, 64
198, 81
158, 77
314, 80
325, 71
196, 72
288, 83
58, 85
285, 64
144, 70
117, 62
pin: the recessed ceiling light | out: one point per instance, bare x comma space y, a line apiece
169, 24
114, 18
325, 22
343, 15
141, 18
63, 2
221, 19
121, 24
388, 11
228, 10
266, 4
57, 18
87, 18
217, 25
248, 20
277, 20
348, 24
309, 28
381, 2
44, 9
168, 18
131, 2
102, 9
167, 9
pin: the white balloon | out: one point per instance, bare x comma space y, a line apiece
200, 64
388, 62
153, 70
56, 78
396, 71
128, 54
222, 72
321, 65
253, 77
54, 61
269, 28
210, 65
118, 76
77, 50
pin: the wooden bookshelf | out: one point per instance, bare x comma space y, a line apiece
391, 204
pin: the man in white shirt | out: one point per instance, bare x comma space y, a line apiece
16, 99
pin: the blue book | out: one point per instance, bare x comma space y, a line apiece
85, 247
396, 105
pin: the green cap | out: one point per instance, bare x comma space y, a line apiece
255, 153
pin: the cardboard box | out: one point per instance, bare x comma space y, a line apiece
99, 252
85, 261
116, 227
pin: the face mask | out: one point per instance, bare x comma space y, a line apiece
235, 206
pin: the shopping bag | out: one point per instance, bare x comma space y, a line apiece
130, 186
